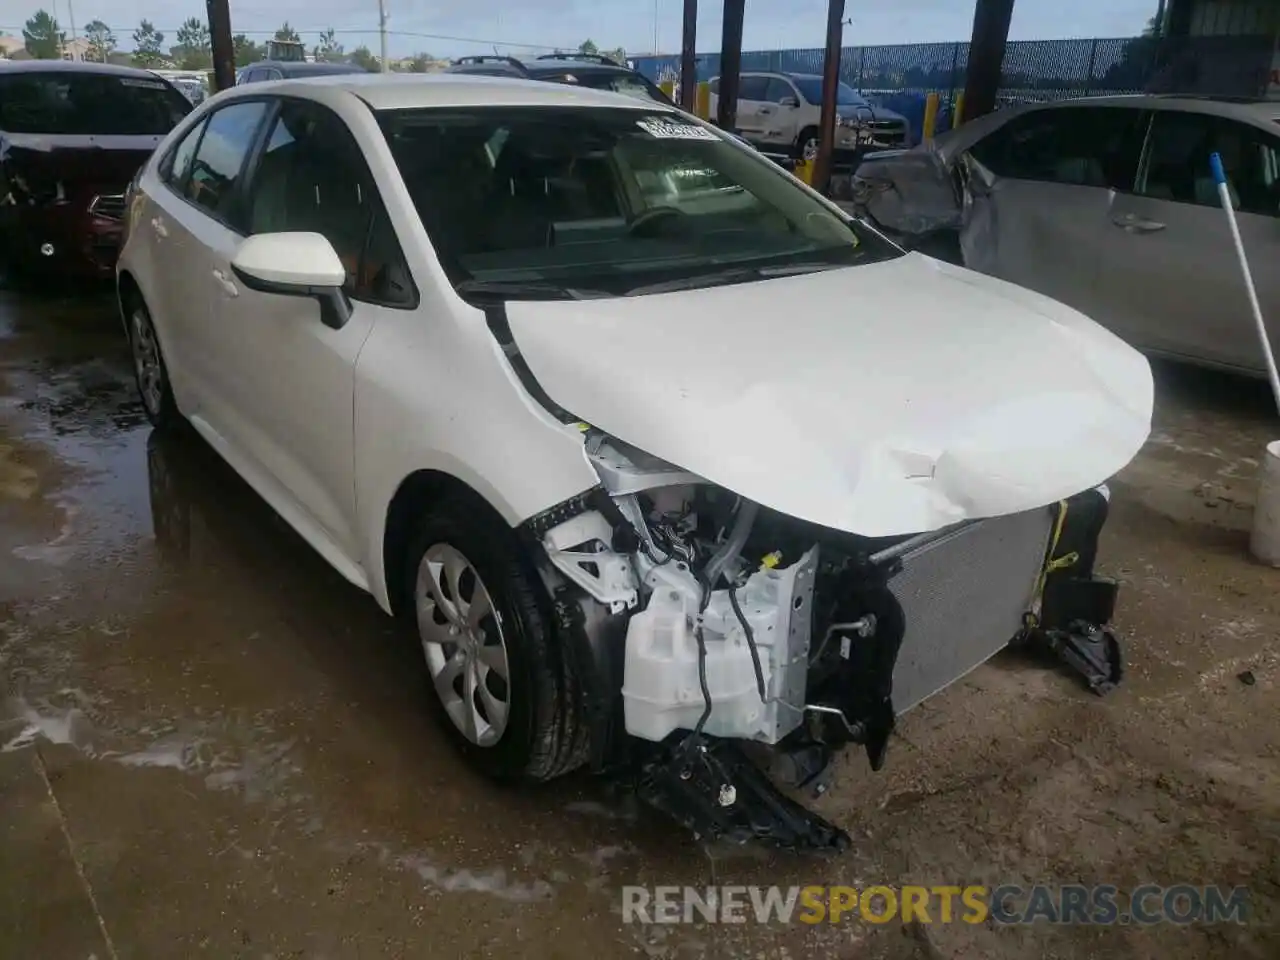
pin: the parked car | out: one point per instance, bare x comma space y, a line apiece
192, 84
594, 71
1109, 205
265, 70
657, 451
784, 111
72, 135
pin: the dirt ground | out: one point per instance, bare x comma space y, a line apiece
211, 745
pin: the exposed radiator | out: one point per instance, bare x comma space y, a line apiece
964, 593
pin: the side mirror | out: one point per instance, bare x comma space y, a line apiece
296, 265
789, 102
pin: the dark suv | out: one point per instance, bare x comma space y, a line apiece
579, 69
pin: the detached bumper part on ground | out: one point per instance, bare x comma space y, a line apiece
723, 648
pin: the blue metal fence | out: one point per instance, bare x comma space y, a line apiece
1034, 70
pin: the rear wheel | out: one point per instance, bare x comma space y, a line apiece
500, 685
149, 367
807, 144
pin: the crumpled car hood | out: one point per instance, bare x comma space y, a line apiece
885, 399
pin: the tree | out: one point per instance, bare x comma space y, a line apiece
361, 56
42, 37
194, 50
588, 47
245, 50
287, 32
421, 63
328, 50
101, 40
147, 44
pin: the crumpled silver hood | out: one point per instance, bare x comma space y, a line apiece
885, 399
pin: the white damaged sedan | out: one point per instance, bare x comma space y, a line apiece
659, 452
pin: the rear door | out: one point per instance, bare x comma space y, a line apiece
159, 230
202, 213
779, 125
751, 98
1054, 173
1172, 281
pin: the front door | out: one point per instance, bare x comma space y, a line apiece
289, 380
1175, 284
1052, 176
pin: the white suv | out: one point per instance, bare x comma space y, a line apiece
785, 110
655, 449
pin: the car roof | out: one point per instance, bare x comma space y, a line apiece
77, 66
406, 91
305, 66
581, 66
1249, 109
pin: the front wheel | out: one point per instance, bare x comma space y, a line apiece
502, 687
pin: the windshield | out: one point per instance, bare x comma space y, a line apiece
811, 89
88, 104
560, 200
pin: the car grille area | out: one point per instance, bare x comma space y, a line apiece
108, 206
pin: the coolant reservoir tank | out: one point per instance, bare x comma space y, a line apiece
661, 691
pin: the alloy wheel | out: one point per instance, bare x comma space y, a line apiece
147, 363
462, 639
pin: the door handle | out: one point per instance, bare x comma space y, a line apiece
158, 226
1132, 223
228, 287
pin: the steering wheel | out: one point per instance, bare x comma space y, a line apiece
652, 215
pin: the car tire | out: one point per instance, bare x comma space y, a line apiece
149, 369
503, 692
807, 144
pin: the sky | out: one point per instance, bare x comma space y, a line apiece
456, 27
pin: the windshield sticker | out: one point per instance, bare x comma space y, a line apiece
667, 130
148, 84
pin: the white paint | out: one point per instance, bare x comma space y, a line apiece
296, 259
1264, 542
891, 398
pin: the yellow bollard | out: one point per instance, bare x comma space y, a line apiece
957, 112
702, 104
804, 171
668, 87
930, 115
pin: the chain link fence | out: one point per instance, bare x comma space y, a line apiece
1033, 70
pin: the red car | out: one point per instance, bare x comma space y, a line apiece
72, 135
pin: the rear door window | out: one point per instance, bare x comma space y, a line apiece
753, 88
1177, 163
219, 160
1078, 146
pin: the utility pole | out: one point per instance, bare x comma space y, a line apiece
382, 30
224, 51
71, 15
57, 34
